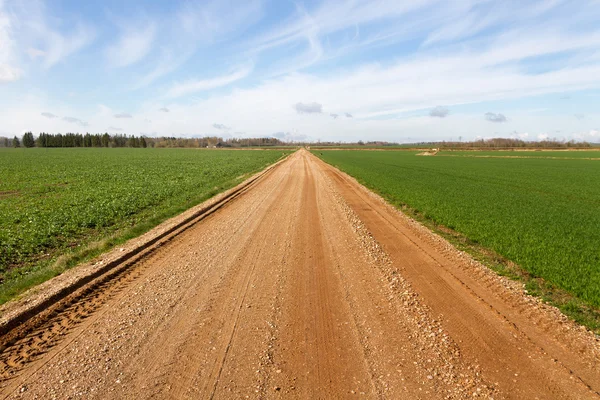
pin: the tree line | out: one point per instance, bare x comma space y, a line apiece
107, 140
119, 140
75, 140
509, 143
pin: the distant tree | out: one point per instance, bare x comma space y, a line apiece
16, 142
6, 142
42, 140
105, 140
28, 140
143, 142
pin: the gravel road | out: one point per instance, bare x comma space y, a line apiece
308, 286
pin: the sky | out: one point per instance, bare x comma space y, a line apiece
401, 71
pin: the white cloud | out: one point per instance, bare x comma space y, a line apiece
49, 115
194, 86
9, 74
543, 136
132, 46
8, 71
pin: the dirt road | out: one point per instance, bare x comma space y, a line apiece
308, 286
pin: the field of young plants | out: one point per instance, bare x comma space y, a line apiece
564, 154
542, 213
54, 201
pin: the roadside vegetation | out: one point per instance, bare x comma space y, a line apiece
61, 206
533, 219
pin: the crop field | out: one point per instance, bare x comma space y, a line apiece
541, 213
566, 154
54, 201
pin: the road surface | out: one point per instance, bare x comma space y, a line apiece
307, 286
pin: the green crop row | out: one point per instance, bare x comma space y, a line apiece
543, 214
54, 200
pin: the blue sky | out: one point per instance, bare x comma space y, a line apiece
404, 71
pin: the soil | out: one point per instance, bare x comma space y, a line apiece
304, 286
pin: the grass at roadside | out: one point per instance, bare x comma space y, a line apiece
59, 207
531, 219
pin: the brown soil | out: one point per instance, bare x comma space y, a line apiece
306, 286
9, 193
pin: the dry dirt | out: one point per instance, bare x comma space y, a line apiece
306, 286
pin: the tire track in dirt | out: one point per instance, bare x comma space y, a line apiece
307, 286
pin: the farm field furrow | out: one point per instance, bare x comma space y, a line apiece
55, 201
543, 214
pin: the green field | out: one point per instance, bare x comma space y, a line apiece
56, 201
580, 154
543, 214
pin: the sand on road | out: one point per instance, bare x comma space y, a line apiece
308, 286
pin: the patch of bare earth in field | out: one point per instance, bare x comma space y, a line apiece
308, 286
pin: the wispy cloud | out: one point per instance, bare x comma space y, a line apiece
49, 115
132, 46
35, 53
123, 115
59, 46
39, 35
114, 128
164, 109
8, 71
194, 86
334, 116
75, 121
195, 26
